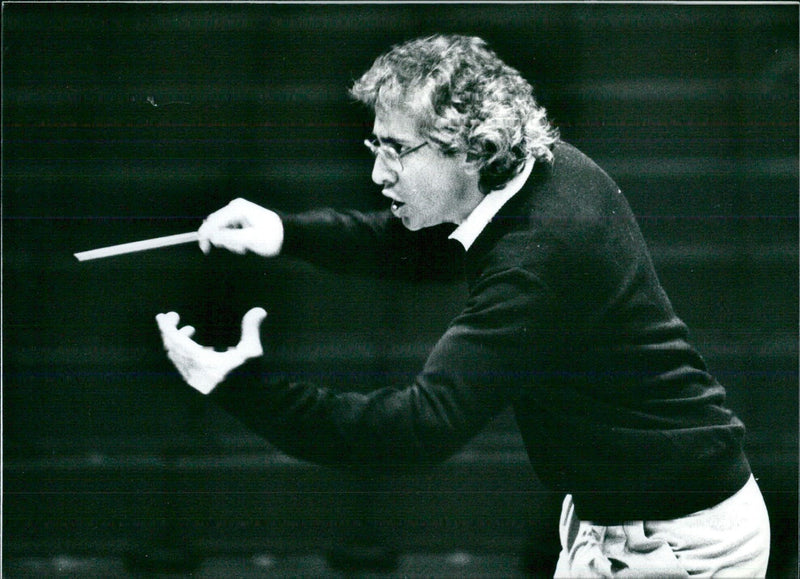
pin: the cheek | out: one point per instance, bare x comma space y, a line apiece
434, 186
435, 189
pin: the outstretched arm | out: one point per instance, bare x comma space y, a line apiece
368, 244
372, 244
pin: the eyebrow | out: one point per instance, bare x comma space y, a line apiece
388, 140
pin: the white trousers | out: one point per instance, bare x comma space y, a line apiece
730, 539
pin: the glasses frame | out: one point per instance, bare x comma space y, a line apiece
390, 155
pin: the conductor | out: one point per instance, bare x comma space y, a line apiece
565, 322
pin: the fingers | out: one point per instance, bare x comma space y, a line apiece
205, 244
242, 226
179, 340
250, 343
234, 240
202, 367
168, 321
231, 218
251, 321
175, 339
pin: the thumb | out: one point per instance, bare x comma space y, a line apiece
250, 343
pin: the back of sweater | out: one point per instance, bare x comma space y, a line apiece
620, 409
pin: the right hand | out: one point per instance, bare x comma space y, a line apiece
242, 226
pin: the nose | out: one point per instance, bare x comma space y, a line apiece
381, 174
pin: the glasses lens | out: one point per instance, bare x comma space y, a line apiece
391, 157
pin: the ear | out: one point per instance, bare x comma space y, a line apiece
472, 175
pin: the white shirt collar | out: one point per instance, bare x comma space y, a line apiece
482, 215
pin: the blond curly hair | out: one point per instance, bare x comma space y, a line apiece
466, 100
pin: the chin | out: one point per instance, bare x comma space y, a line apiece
411, 225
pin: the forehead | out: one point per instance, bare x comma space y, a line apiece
395, 124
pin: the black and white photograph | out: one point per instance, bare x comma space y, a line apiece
400, 289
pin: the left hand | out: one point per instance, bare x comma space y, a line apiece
203, 368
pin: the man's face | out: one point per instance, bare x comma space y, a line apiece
431, 188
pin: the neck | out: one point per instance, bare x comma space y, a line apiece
471, 200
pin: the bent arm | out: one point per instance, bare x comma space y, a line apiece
473, 373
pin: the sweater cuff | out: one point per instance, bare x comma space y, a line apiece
291, 233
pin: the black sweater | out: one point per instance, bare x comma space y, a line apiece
565, 321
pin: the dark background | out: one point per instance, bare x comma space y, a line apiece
122, 122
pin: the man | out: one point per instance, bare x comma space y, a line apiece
566, 322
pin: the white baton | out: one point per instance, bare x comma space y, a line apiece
134, 246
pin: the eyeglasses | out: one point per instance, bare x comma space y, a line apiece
392, 156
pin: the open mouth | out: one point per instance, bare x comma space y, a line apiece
396, 205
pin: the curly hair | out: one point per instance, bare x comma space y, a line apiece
466, 100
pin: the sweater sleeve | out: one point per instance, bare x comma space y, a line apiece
371, 244
472, 373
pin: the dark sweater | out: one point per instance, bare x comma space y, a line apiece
565, 321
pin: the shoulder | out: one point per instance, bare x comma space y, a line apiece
570, 194
574, 172
567, 211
